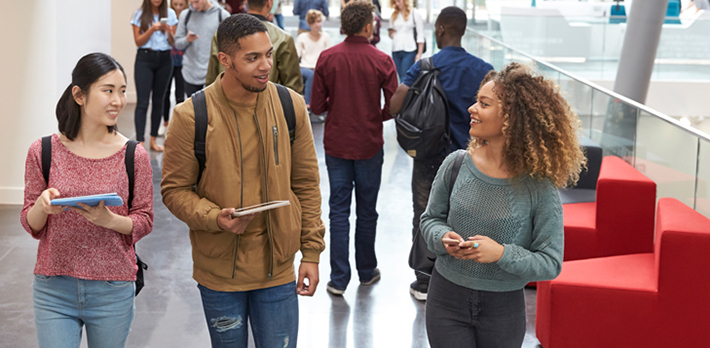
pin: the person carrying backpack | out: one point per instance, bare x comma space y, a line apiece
85, 275
244, 265
459, 74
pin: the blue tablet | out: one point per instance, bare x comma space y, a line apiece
110, 199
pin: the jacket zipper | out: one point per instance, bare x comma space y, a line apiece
266, 198
276, 144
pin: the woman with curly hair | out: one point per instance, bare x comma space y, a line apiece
500, 225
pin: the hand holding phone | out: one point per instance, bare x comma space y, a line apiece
191, 36
451, 241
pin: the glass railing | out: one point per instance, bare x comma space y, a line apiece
674, 156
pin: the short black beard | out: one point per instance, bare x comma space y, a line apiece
248, 88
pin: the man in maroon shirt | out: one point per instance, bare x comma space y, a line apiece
347, 82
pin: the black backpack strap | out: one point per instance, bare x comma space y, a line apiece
199, 103
289, 112
426, 64
130, 169
219, 13
455, 170
187, 17
46, 157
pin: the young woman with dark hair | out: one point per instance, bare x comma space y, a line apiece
154, 25
499, 227
86, 264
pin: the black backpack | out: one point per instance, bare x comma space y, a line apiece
423, 129
130, 155
199, 104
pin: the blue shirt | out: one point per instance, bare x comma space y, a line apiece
159, 40
461, 76
301, 9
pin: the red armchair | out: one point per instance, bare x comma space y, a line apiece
619, 222
657, 299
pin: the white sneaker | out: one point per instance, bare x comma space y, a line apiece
162, 130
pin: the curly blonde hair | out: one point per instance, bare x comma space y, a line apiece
313, 15
540, 127
407, 10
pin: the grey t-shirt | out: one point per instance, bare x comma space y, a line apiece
197, 53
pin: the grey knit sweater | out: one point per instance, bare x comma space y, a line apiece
523, 214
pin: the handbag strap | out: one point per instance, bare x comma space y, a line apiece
455, 170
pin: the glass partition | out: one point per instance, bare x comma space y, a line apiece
668, 155
675, 157
702, 191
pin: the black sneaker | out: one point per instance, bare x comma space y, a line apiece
374, 278
419, 289
333, 290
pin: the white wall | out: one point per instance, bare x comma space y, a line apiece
45, 40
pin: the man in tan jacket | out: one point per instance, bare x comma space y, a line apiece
244, 265
286, 69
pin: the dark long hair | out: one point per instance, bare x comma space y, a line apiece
88, 70
147, 15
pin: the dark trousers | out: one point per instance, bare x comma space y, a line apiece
365, 176
457, 316
423, 173
179, 92
190, 89
152, 74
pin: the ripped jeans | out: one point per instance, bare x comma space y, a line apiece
272, 314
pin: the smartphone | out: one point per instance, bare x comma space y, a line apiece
164, 20
191, 34
259, 208
451, 241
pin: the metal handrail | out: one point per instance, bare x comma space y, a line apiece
696, 132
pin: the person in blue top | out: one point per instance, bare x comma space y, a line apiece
154, 25
461, 74
498, 225
301, 7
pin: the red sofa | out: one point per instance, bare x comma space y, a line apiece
619, 222
657, 299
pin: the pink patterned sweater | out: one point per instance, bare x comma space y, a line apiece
71, 245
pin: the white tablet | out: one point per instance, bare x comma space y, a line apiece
259, 207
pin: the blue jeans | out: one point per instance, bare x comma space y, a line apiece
279, 20
365, 176
457, 316
63, 305
272, 313
308, 82
403, 60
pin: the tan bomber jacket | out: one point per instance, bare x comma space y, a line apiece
292, 174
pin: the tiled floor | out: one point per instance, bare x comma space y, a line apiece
169, 311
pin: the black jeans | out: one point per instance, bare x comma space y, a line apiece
190, 89
152, 74
457, 316
179, 92
423, 173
